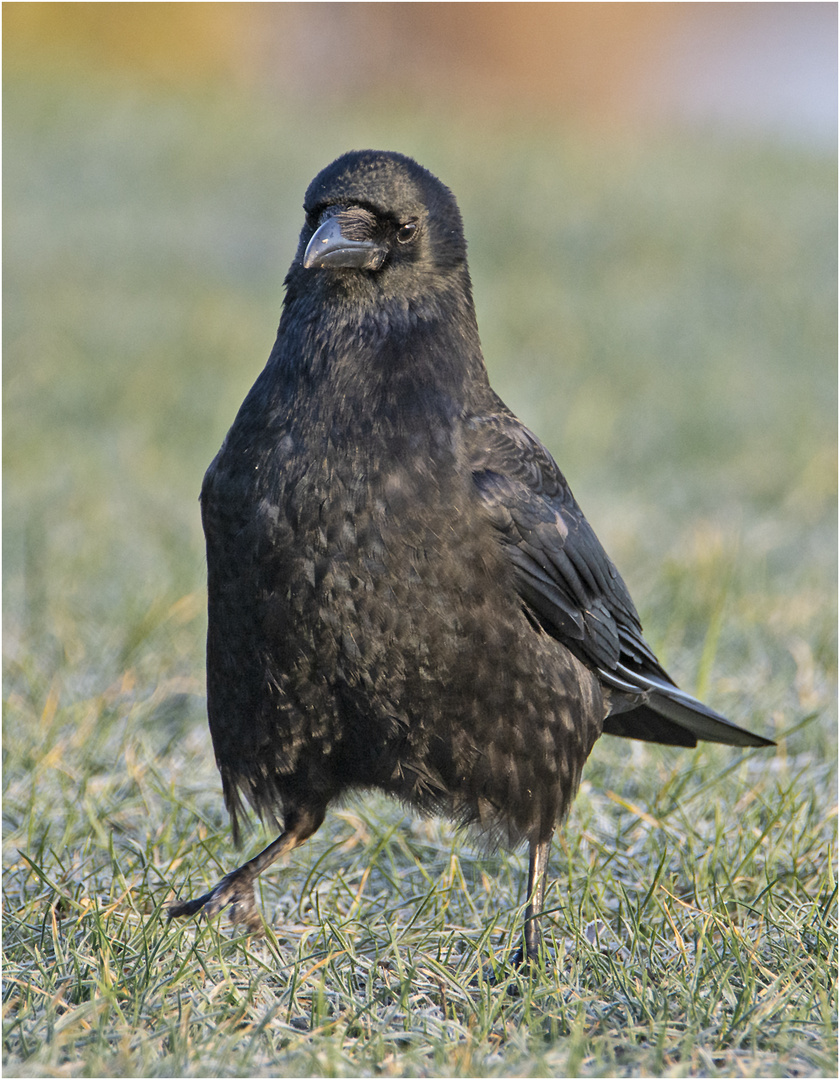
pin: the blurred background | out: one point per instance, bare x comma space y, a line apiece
749, 66
650, 199
649, 193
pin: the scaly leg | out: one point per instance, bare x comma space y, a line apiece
237, 887
537, 875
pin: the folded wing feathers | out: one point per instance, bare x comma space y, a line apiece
566, 578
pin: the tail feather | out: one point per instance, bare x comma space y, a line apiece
669, 715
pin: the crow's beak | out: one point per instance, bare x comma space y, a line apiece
329, 248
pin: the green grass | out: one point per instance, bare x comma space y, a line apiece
662, 312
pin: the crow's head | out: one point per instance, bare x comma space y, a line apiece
379, 224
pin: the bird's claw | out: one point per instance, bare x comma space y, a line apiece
235, 889
531, 960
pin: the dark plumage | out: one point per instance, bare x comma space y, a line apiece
403, 592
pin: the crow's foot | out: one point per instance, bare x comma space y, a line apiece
235, 889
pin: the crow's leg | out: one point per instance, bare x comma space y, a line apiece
237, 887
537, 876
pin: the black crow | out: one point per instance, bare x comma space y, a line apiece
403, 592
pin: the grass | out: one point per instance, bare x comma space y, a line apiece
662, 312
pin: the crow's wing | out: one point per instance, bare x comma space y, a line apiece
570, 586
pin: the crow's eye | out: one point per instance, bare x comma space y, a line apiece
406, 232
